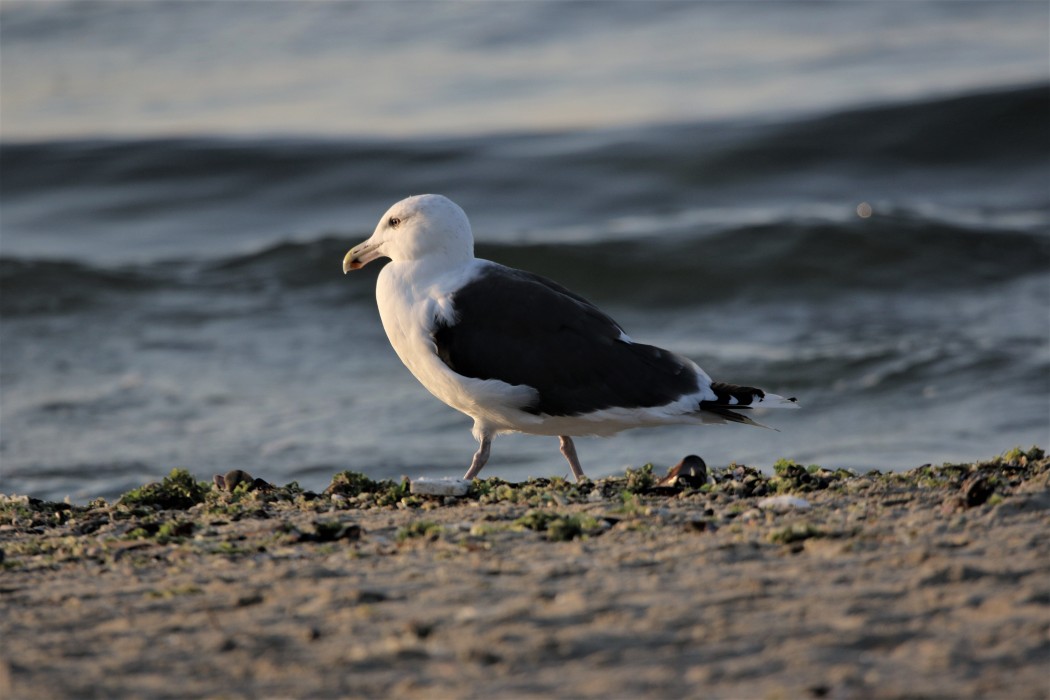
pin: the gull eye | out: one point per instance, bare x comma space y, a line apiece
394, 221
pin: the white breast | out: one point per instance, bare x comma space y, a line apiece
411, 302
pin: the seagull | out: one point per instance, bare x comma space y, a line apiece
519, 353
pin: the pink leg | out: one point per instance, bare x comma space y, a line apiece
569, 451
480, 457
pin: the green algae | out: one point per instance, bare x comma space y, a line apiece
420, 528
349, 484
796, 532
631, 505
1020, 457
183, 513
640, 480
28, 511
534, 492
358, 490
559, 527
170, 531
177, 491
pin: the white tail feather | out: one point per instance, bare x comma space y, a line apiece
775, 401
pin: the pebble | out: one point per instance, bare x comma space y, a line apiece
781, 504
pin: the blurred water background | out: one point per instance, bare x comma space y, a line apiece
844, 202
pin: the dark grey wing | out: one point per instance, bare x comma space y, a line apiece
523, 329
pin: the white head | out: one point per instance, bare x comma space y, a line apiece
423, 226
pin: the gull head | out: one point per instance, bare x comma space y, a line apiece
419, 227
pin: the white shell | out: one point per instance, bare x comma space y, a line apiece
444, 486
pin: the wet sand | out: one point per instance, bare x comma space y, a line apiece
930, 583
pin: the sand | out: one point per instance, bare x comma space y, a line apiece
933, 583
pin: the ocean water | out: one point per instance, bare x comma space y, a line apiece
848, 203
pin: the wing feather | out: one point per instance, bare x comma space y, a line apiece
524, 329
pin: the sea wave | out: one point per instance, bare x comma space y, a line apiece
998, 125
648, 167
35, 286
792, 259
779, 259
763, 210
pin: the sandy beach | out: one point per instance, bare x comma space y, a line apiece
801, 583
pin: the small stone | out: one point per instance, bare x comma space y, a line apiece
329, 531
263, 485
248, 600
365, 596
781, 504
697, 525
418, 629
482, 656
